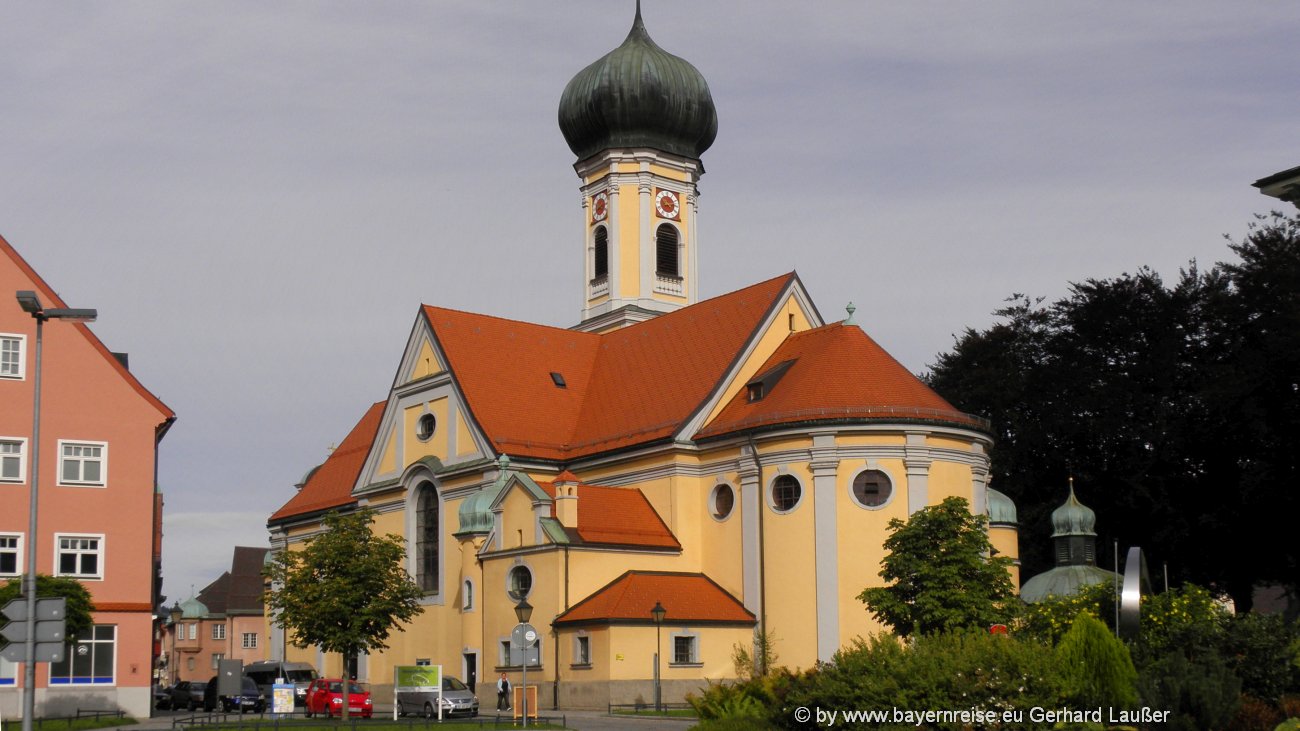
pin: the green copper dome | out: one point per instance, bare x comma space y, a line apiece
638, 95
476, 512
1063, 581
192, 608
1073, 518
1001, 509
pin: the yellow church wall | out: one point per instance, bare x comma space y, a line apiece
949, 479
436, 446
464, 439
791, 571
1006, 542
766, 345
630, 650
427, 362
719, 540
861, 533
947, 443
388, 460
680, 176
870, 440
518, 522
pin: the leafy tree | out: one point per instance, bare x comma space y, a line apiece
940, 575
346, 590
78, 618
1175, 406
1098, 669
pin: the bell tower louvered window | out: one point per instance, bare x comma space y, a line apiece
666, 260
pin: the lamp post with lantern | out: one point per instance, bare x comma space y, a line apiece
657, 613
523, 638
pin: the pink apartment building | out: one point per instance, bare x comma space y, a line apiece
99, 506
226, 621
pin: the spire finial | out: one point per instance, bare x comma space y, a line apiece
850, 308
1071, 480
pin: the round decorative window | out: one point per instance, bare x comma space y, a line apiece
786, 492
425, 426
722, 501
872, 488
520, 582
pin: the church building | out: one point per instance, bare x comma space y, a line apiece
732, 459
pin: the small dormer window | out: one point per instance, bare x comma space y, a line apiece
558, 380
762, 384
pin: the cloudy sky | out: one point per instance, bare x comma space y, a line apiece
258, 195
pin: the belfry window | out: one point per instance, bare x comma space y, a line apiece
666, 260
600, 253
426, 537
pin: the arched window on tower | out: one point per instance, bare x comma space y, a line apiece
666, 259
426, 537
600, 269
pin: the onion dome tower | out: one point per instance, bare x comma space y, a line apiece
1076, 554
638, 119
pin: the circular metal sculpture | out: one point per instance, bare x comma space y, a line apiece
1136, 582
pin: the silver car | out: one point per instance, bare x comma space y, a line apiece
457, 700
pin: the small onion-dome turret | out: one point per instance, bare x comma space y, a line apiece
1002, 511
638, 95
476, 513
192, 608
1073, 518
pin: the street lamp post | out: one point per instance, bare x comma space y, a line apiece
31, 304
523, 612
657, 613
176, 618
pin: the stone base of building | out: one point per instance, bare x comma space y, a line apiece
576, 695
67, 702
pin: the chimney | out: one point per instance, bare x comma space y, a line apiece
566, 499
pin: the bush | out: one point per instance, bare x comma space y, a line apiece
734, 724
1254, 714
1261, 650
1096, 665
1200, 693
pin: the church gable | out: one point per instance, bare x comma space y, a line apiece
793, 312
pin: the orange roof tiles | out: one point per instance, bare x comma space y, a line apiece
330, 485
688, 598
626, 387
617, 516
838, 372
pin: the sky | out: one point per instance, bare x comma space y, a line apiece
257, 196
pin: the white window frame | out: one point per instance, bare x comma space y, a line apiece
17, 550
694, 637
21, 456
8, 674
467, 589
94, 647
99, 553
103, 463
194, 632
21, 372
580, 658
248, 640
219, 631
217, 657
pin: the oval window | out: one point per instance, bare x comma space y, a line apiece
786, 492
872, 488
722, 501
425, 426
520, 582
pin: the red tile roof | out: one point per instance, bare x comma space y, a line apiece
50, 299
629, 386
688, 599
617, 516
330, 484
838, 372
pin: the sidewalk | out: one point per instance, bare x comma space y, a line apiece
577, 720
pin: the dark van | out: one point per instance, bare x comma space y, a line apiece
266, 673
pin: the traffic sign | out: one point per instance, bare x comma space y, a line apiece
50, 630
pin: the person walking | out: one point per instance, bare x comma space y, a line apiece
503, 693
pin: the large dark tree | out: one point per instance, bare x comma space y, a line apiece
1175, 407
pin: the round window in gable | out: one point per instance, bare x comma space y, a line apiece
872, 489
425, 426
786, 492
722, 501
519, 582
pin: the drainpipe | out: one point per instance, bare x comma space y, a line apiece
760, 657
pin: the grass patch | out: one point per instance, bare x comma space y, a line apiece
70, 724
667, 713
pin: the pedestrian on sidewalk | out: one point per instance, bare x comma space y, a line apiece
503, 693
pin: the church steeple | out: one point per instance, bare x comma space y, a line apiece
638, 119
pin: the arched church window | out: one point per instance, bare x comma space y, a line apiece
601, 252
426, 533
666, 240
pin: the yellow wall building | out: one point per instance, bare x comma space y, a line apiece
735, 460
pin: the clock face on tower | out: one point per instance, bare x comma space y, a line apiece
666, 205
599, 207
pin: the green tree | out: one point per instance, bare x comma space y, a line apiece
941, 577
1177, 404
346, 590
1098, 669
80, 605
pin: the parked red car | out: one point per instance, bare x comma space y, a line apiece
325, 696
